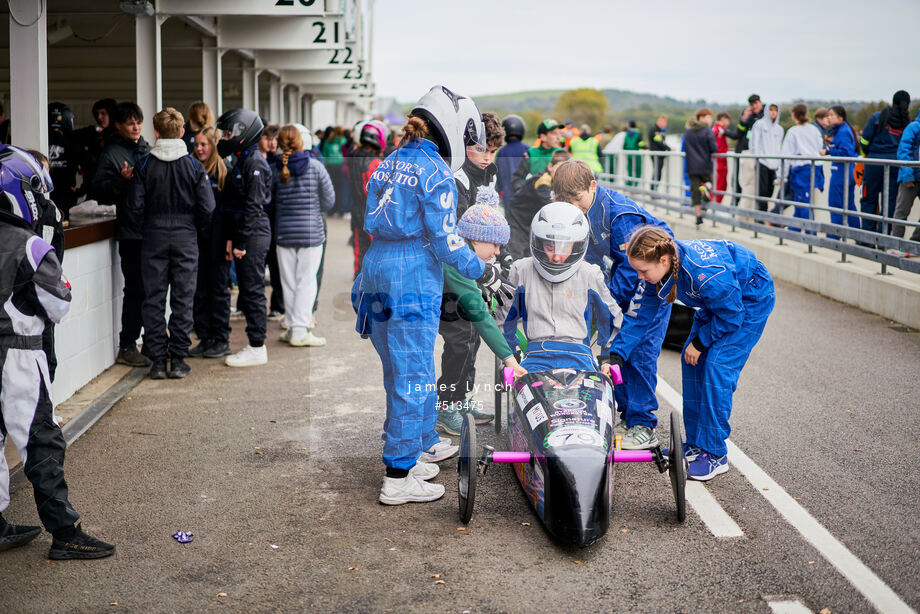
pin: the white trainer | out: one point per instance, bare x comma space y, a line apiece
410, 489
285, 335
301, 337
248, 357
438, 452
425, 471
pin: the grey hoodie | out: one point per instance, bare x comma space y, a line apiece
767, 138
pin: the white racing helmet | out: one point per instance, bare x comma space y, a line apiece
455, 123
558, 229
305, 136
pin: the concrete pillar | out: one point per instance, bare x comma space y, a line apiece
29, 74
149, 69
340, 113
274, 101
250, 88
307, 111
211, 78
294, 112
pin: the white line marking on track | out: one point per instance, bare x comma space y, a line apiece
716, 519
788, 607
859, 575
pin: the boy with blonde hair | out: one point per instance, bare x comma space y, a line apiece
169, 200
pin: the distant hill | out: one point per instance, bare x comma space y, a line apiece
620, 100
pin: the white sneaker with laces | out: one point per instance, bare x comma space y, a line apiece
425, 471
301, 337
410, 489
438, 452
248, 357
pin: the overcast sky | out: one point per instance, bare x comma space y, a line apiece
781, 49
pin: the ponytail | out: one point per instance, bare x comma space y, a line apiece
285, 171
415, 128
649, 244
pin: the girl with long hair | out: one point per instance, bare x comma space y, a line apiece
733, 293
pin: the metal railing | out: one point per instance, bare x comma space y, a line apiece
670, 192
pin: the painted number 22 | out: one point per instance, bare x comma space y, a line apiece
321, 34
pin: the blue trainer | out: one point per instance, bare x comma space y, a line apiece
690, 452
706, 466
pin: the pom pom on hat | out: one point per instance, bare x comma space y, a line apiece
484, 223
486, 195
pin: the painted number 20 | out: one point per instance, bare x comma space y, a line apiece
291, 2
321, 34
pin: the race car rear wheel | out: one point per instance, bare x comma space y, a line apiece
467, 463
499, 393
677, 465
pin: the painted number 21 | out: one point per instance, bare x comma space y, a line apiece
321, 34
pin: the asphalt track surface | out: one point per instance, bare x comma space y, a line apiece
276, 470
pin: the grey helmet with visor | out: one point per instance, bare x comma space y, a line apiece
454, 121
558, 240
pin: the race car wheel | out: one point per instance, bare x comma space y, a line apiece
499, 394
677, 465
467, 463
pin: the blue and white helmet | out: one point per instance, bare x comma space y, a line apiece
22, 178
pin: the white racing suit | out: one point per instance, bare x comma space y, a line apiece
33, 292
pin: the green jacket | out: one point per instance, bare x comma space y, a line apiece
475, 310
539, 158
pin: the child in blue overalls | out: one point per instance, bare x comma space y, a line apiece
734, 295
613, 218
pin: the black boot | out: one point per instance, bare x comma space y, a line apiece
218, 349
16, 535
73, 543
199, 350
158, 370
178, 368
131, 357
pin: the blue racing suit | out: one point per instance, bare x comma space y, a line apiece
613, 219
508, 159
879, 140
843, 144
411, 214
734, 295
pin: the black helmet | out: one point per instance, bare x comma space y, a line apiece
60, 117
242, 129
514, 126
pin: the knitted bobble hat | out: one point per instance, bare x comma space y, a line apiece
484, 223
486, 195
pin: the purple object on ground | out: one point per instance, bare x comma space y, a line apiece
182, 537
632, 456
511, 457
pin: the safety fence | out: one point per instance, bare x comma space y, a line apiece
657, 178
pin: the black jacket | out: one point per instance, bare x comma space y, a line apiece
247, 192
358, 164
109, 187
170, 191
699, 145
536, 191
469, 179
741, 130
654, 143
